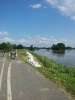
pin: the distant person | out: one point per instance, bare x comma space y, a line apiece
13, 54
16, 54
4, 52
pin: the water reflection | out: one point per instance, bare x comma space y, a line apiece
48, 50
58, 52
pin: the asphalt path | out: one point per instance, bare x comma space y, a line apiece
19, 81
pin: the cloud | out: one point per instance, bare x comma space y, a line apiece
27, 36
65, 40
4, 33
39, 41
23, 41
66, 8
35, 6
42, 40
6, 39
51, 40
46, 41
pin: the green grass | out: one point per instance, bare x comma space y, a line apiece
58, 73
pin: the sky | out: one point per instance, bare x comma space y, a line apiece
41, 23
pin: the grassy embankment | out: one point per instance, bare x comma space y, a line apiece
58, 73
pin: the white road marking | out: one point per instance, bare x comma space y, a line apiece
9, 94
2, 74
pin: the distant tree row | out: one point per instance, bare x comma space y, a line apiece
58, 46
8, 46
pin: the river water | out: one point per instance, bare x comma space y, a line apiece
66, 57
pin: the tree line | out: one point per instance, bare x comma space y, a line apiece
58, 46
8, 46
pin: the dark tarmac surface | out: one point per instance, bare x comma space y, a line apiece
22, 82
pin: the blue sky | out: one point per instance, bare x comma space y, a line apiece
40, 23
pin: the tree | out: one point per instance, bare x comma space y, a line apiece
69, 47
14, 46
59, 46
54, 47
3, 46
31, 47
20, 46
0, 46
9, 46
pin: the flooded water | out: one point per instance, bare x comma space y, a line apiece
66, 57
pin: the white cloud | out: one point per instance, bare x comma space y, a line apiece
23, 41
4, 33
35, 6
66, 8
43, 41
51, 40
39, 41
6, 39
65, 40
26, 36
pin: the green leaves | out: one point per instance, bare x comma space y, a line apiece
59, 46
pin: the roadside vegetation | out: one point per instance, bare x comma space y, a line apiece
62, 75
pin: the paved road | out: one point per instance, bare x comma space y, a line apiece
18, 81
